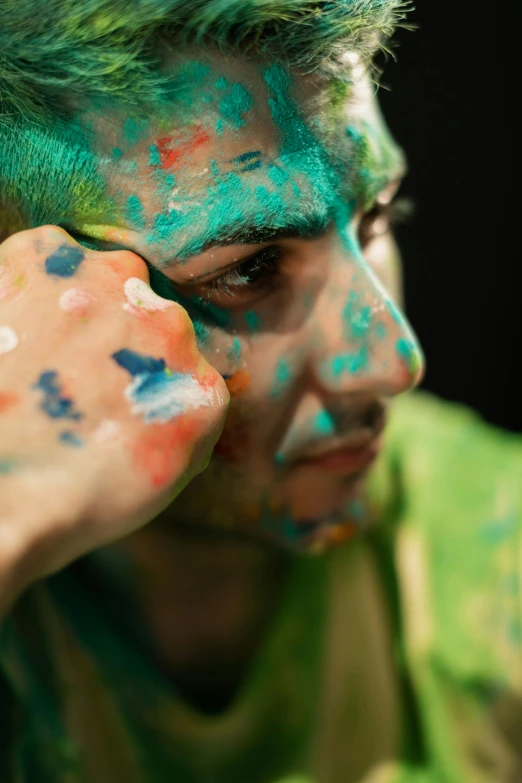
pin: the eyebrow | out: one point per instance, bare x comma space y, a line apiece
298, 226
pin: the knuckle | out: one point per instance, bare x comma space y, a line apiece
35, 241
125, 264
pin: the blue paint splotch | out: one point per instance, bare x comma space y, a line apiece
55, 403
65, 261
156, 393
70, 438
248, 161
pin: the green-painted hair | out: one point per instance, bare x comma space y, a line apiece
56, 52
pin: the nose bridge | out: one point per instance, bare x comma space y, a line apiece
362, 342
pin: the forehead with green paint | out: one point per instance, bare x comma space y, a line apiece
238, 146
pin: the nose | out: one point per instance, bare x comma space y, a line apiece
361, 341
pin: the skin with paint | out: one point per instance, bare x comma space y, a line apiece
260, 201
84, 461
266, 213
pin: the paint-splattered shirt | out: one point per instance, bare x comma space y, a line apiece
395, 659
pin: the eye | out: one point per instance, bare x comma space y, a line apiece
252, 279
382, 217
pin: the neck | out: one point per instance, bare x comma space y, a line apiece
207, 600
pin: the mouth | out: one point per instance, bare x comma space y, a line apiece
350, 453
344, 459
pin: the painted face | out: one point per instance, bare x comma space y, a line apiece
259, 200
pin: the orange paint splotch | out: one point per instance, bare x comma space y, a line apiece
238, 382
341, 533
7, 400
172, 149
161, 449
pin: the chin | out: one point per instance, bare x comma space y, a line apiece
324, 525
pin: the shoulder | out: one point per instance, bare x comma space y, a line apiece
425, 429
458, 535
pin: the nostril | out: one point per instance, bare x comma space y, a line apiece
373, 414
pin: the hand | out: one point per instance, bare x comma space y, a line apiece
107, 408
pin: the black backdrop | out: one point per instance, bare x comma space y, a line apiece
447, 107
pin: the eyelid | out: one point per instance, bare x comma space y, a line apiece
222, 270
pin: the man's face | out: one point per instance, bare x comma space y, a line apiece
261, 197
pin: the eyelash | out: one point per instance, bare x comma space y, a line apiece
394, 213
257, 273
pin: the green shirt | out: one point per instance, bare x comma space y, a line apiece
396, 658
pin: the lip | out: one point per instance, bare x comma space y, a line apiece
345, 459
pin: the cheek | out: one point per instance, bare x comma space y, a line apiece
257, 380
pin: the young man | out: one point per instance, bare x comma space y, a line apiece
163, 619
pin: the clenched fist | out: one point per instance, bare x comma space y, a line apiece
107, 408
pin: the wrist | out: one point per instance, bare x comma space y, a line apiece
16, 565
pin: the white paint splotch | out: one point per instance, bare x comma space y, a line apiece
159, 398
8, 339
75, 300
141, 295
157, 393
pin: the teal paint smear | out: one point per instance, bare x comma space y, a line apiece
252, 321
357, 511
166, 224
353, 363
134, 130
283, 376
380, 331
270, 201
301, 151
117, 153
394, 312
134, 213
154, 156
357, 319
234, 351
407, 351
6, 466
195, 72
201, 330
233, 106
324, 424
278, 175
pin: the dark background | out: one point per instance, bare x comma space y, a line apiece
447, 106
